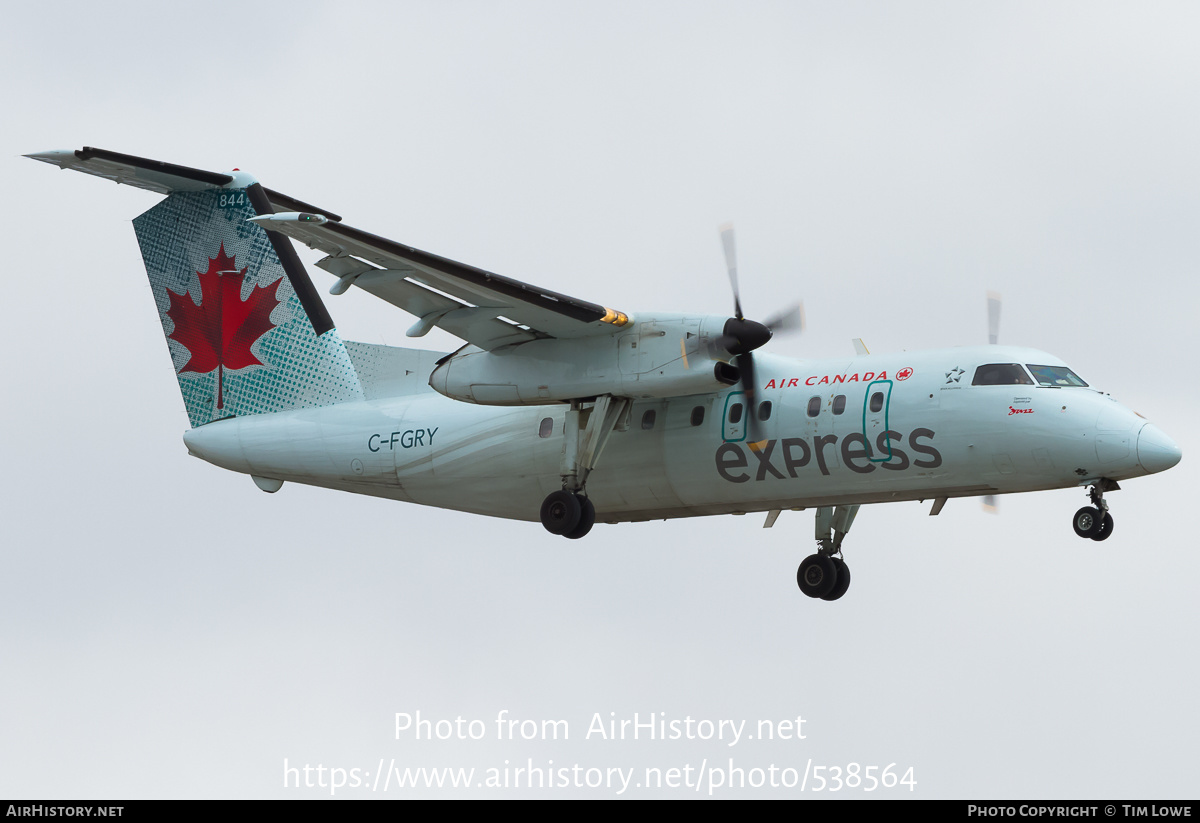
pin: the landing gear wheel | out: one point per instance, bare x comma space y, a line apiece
561, 512
587, 519
1106, 527
843, 580
1088, 521
817, 575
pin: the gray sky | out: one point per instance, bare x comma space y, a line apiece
169, 631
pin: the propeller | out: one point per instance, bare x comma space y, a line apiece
993, 303
740, 337
993, 306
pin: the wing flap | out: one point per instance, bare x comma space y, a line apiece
478, 325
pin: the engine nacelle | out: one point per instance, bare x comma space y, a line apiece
661, 356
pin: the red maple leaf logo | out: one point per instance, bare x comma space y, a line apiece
219, 332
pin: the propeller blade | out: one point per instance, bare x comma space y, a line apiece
993, 303
731, 265
745, 365
790, 319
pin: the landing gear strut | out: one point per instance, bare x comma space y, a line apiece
569, 512
1094, 521
824, 575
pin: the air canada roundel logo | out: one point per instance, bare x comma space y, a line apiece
904, 373
218, 327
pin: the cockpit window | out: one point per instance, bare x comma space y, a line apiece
1055, 376
1001, 374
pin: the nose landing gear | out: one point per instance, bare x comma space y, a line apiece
1094, 521
823, 575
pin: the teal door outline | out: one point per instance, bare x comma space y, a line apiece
734, 432
874, 416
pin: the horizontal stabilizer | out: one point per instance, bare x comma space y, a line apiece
164, 178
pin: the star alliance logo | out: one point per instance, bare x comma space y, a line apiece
954, 374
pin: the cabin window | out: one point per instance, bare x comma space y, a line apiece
814, 406
547, 427
735, 413
839, 404
648, 419
697, 415
1001, 374
877, 401
1055, 376
764, 410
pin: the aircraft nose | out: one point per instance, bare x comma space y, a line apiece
1156, 451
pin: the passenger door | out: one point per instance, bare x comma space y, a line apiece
876, 403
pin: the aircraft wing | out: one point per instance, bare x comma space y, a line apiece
485, 309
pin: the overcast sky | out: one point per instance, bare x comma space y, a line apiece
167, 630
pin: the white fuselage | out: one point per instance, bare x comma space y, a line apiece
931, 434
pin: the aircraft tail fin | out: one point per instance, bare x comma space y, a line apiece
247, 331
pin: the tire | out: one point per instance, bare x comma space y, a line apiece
817, 575
587, 519
1087, 522
1106, 528
843, 580
561, 511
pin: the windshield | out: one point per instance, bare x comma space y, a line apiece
1055, 376
1000, 374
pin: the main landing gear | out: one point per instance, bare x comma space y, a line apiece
824, 575
569, 512
1094, 521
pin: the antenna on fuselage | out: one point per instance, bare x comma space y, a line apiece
993, 303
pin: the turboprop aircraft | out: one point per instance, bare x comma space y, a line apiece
690, 417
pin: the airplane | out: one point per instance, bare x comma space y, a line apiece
690, 417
